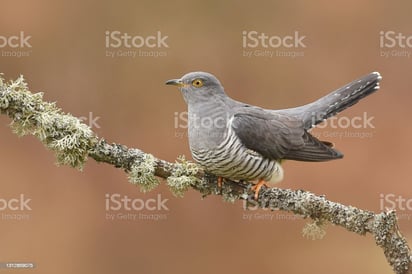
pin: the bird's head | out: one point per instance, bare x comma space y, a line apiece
198, 86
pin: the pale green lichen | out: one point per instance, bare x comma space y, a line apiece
183, 176
142, 173
228, 195
314, 230
64, 134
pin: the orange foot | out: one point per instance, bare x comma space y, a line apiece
256, 188
219, 182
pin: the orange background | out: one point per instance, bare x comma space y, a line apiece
67, 230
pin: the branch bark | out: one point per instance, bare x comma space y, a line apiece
73, 142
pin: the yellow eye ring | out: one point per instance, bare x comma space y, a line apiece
197, 83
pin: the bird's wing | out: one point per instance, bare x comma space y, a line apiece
277, 136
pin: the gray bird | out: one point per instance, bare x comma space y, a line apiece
239, 141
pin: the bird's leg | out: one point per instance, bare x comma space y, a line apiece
219, 182
256, 188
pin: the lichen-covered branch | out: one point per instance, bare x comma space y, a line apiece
73, 142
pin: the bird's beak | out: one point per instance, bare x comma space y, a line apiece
175, 82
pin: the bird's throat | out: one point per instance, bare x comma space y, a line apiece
207, 125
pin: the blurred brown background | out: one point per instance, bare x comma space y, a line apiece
67, 230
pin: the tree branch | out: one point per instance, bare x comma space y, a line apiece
73, 142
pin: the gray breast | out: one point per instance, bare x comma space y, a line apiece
231, 159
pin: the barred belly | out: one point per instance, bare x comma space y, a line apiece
232, 160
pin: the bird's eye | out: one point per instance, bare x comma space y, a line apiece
197, 83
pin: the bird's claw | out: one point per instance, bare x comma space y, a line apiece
256, 188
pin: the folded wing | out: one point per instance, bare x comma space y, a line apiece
277, 136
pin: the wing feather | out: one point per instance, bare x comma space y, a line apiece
277, 136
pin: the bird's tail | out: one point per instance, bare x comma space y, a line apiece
336, 101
